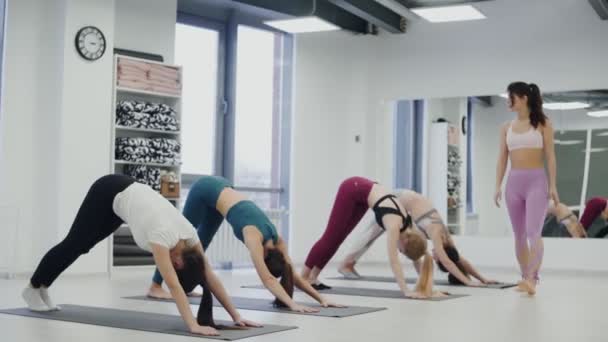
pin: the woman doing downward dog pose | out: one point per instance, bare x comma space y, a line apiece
595, 207
156, 226
528, 142
567, 218
429, 222
210, 200
355, 196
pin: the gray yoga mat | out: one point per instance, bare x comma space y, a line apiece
259, 304
366, 292
441, 282
135, 320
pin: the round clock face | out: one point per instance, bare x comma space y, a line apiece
90, 43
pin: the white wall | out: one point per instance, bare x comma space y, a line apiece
146, 26
558, 44
329, 110
30, 101
56, 107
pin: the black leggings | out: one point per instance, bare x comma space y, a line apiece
94, 222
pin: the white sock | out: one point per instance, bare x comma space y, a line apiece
44, 293
33, 299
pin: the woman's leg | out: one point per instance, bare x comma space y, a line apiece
367, 238
346, 213
536, 208
94, 222
516, 207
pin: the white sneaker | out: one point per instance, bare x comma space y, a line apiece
44, 293
33, 299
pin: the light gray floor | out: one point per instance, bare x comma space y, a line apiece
567, 308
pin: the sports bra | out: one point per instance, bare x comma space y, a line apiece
530, 139
380, 212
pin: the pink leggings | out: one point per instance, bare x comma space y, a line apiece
527, 201
349, 207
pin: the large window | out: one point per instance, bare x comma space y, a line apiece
258, 113
197, 50
236, 102
570, 149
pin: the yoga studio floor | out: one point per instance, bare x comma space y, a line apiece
568, 307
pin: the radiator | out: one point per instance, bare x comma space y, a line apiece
227, 252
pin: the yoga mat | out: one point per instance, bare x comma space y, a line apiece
442, 282
136, 320
366, 292
259, 304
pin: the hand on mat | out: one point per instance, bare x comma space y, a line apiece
476, 284
415, 295
302, 308
246, 323
202, 330
327, 304
490, 282
498, 197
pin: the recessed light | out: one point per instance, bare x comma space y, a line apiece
566, 105
302, 25
449, 13
567, 142
598, 113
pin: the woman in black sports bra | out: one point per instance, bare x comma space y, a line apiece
355, 196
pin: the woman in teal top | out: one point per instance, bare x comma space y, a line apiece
210, 200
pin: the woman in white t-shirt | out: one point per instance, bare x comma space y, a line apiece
156, 225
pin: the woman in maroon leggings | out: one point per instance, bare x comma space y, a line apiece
355, 196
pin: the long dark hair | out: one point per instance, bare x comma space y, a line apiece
535, 100
279, 267
453, 255
193, 274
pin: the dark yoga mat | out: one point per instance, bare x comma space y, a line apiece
135, 320
259, 304
366, 292
442, 282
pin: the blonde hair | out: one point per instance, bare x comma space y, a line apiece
416, 248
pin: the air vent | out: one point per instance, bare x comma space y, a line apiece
601, 7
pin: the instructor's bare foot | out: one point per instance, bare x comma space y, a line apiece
520, 286
528, 286
156, 291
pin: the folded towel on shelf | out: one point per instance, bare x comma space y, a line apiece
125, 62
166, 72
144, 174
134, 84
146, 115
146, 150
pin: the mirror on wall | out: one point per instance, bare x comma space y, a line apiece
460, 150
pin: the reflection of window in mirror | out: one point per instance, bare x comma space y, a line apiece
570, 158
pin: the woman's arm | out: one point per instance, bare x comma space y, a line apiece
218, 290
253, 241
392, 238
165, 267
442, 257
473, 271
300, 283
550, 158
501, 165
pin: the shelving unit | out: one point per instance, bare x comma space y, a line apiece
449, 202
123, 251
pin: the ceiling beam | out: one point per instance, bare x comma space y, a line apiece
373, 13
320, 8
435, 3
